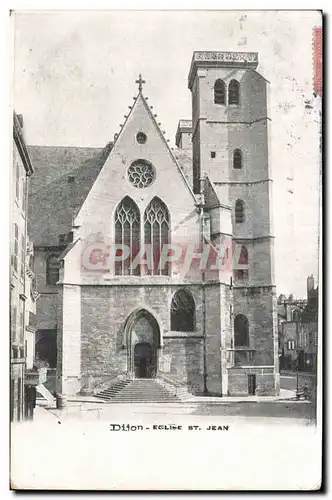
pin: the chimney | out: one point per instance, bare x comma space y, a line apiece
184, 134
310, 284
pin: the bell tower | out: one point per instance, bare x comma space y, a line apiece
230, 132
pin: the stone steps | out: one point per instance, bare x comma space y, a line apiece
112, 390
137, 391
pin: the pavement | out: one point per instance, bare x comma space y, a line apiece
285, 394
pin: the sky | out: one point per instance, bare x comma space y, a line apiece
74, 77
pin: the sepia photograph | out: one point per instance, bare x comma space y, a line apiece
165, 250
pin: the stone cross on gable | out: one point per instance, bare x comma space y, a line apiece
140, 82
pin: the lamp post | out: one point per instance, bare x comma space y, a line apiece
298, 355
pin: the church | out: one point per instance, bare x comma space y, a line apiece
113, 227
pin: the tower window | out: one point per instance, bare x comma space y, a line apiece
219, 92
237, 159
213, 154
241, 331
234, 92
239, 211
242, 274
182, 312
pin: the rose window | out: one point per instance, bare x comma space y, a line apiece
141, 174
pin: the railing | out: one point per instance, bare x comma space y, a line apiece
243, 356
106, 383
174, 385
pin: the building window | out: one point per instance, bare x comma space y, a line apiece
239, 211
213, 154
22, 255
22, 305
291, 345
23, 194
234, 92
15, 250
52, 270
237, 159
241, 331
157, 234
13, 323
17, 180
127, 233
219, 92
182, 312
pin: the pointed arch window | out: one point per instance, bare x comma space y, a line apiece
237, 159
239, 211
241, 331
219, 92
127, 232
52, 270
157, 234
234, 92
182, 312
242, 274
243, 256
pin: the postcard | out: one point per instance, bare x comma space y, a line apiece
165, 274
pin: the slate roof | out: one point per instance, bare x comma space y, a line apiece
184, 159
63, 176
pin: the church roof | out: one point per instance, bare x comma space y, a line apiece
62, 179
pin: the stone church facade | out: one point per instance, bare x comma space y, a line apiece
213, 331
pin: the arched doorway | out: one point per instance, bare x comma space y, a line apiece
144, 366
142, 340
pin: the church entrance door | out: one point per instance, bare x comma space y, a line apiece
142, 336
143, 360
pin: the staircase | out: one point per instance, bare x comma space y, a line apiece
142, 390
45, 393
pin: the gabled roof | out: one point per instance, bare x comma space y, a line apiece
63, 177
148, 109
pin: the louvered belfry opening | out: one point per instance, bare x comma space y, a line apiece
127, 232
156, 234
219, 92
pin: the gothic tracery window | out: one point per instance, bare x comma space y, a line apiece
141, 173
127, 232
182, 312
234, 92
156, 234
219, 92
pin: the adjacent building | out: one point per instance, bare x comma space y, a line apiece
23, 292
298, 330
